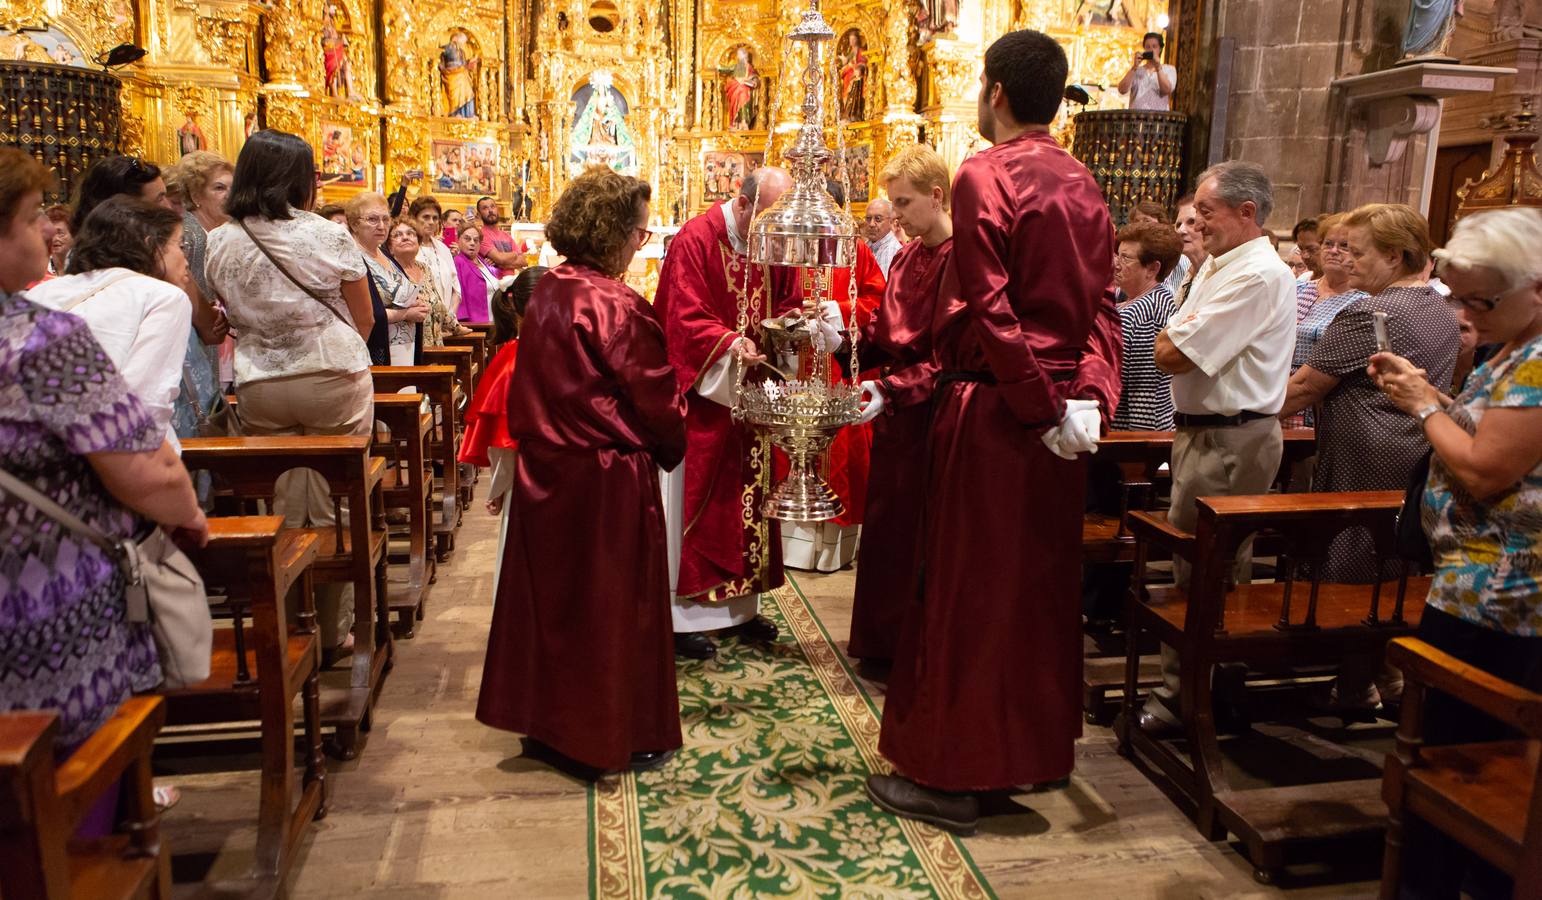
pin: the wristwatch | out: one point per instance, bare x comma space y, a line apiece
1424, 412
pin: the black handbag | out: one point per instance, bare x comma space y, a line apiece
1413, 544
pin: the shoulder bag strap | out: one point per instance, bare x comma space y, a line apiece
96, 290
293, 280
52, 510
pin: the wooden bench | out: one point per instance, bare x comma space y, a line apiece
1487, 796
444, 395
256, 561
409, 486
1106, 539
478, 341
1281, 624
466, 373
42, 804
249, 466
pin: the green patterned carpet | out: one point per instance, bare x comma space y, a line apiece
766, 797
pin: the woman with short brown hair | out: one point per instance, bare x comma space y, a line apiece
581, 657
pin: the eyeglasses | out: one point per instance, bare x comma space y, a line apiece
1129, 260
374, 220
646, 234
1338, 246
1476, 304
874, 219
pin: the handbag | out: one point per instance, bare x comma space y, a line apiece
1412, 543
219, 420
164, 589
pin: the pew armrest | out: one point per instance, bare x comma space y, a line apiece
98, 763
1153, 528
1509, 703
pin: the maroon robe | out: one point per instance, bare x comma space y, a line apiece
725, 552
899, 341
581, 654
986, 684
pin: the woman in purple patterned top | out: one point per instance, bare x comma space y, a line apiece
71, 429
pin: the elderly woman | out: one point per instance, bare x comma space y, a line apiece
478, 281
1363, 442
436, 256
1320, 300
581, 657
1482, 504
1146, 255
74, 431
202, 179
128, 280
370, 223
293, 285
405, 245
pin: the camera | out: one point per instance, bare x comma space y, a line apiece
1148, 55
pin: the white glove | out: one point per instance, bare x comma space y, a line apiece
1051, 439
875, 402
828, 328
1080, 427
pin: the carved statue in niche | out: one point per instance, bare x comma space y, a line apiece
190, 137
458, 65
852, 58
600, 132
934, 17
1431, 24
334, 55
741, 86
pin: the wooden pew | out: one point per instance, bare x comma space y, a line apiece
478, 341
256, 561
1486, 796
439, 384
249, 466
42, 804
466, 374
1263, 625
1106, 539
408, 485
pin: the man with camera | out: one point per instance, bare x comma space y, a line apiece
1149, 83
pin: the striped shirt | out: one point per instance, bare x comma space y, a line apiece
1146, 398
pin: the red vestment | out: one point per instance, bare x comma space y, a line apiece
728, 548
581, 653
898, 343
487, 419
985, 691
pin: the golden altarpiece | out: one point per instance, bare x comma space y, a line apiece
509, 98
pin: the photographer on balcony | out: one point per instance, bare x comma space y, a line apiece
1150, 82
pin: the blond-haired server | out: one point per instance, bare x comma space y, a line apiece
899, 341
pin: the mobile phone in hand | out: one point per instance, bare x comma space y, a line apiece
1383, 339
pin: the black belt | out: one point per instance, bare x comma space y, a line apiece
1184, 420
960, 375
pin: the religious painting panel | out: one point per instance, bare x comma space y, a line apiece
742, 91
464, 167
49, 45
460, 58
600, 134
851, 60
723, 171
859, 171
337, 69
344, 156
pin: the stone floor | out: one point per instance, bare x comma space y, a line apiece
439, 806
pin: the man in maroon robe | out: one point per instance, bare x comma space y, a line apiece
728, 552
579, 657
984, 692
898, 342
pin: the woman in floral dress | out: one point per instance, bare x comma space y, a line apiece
403, 244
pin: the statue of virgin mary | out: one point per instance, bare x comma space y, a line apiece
1427, 35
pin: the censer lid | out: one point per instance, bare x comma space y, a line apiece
804, 228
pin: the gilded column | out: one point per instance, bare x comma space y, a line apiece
900, 121
952, 117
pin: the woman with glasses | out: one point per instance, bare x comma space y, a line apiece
1319, 300
1482, 506
293, 286
581, 656
369, 220
478, 281
1147, 253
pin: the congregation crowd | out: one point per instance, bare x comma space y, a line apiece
1010, 330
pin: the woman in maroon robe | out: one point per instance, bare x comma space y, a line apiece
581, 655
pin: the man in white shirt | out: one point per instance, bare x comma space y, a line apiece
1228, 349
1150, 82
878, 230
435, 255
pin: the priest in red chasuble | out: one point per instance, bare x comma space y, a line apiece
985, 687
897, 345
580, 656
728, 552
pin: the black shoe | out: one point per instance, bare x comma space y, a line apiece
758, 630
958, 813
646, 762
1154, 726
695, 645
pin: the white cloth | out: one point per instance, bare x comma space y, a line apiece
439, 261
687, 615
885, 250
502, 480
1176, 277
819, 546
739, 242
280, 330
1144, 93
1238, 327
141, 322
